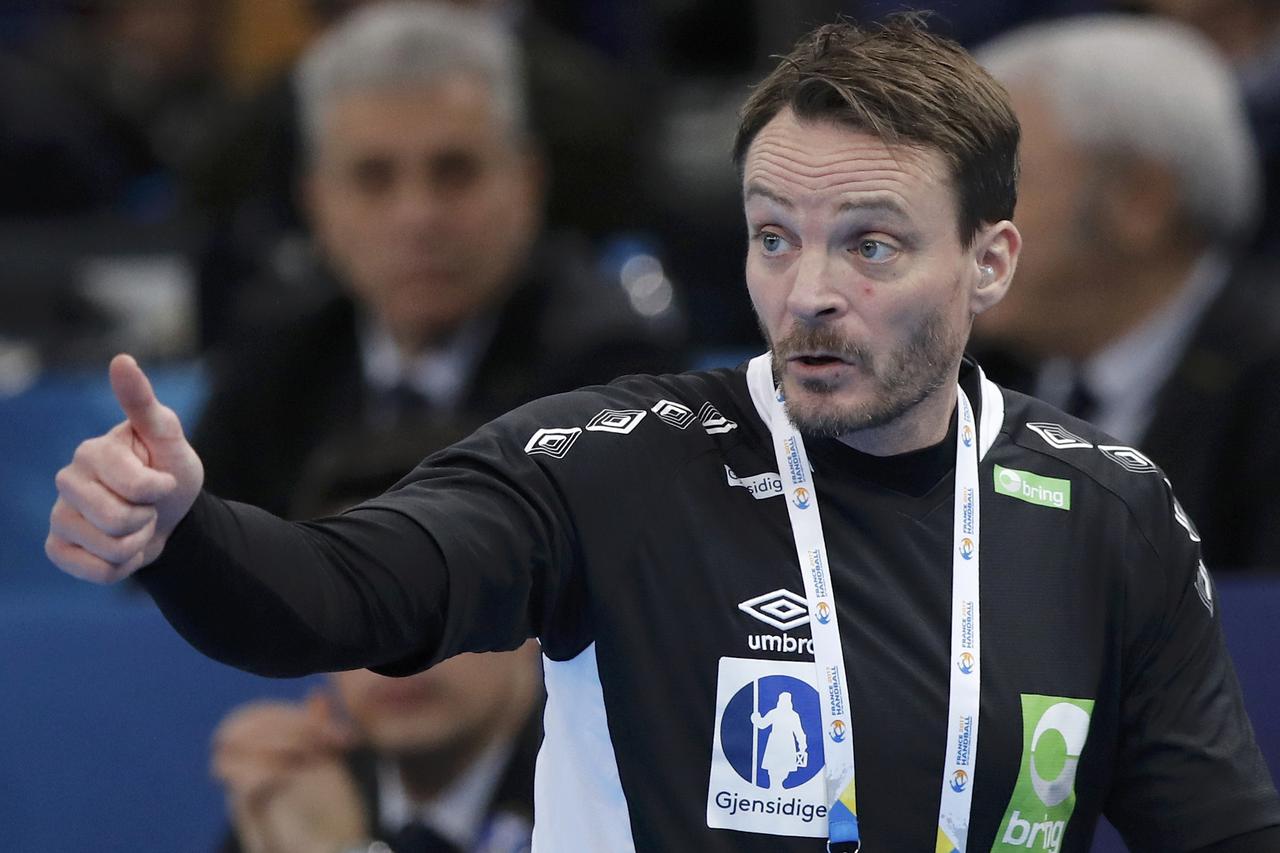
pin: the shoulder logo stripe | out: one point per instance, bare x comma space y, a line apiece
1128, 458
714, 422
553, 442
673, 414
1055, 435
620, 421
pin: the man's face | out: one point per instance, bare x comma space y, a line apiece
457, 704
1065, 242
856, 272
423, 203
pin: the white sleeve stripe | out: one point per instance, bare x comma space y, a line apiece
578, 803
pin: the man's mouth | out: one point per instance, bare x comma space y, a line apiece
817, 359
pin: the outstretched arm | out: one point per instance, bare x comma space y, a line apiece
470, 553
241, 585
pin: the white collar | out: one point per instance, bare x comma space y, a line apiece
1126, 376
440, 375
458, 812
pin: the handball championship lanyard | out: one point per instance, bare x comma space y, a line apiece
965, 672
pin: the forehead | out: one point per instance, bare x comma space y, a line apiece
457, 107
819, 164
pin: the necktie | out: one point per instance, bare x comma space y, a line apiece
417, 837
397, 404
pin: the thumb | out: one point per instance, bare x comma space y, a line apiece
138, 400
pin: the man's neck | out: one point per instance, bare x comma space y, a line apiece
924, 425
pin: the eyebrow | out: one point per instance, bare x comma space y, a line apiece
884, 206
755, 190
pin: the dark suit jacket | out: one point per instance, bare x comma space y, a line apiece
1216, 430
1216, 426
288, 389
512, 796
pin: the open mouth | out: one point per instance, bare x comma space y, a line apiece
818, 360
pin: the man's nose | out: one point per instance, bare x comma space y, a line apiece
815, 293
418, 205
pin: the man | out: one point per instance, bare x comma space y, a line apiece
443, 757
438, 762
425, 196
653, 535
1140, 185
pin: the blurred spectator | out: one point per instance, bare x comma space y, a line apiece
1248, 32
434, 762
587, 117
1130, 302
425, 197
122, 92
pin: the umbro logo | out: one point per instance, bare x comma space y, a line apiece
714, 422
620, 421
1055, 435
673, 414
1180, 515
1128, 458
553, 442
1204, 586
782, 609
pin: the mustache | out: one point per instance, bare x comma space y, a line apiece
803, 341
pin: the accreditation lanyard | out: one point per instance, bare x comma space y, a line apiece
965, 672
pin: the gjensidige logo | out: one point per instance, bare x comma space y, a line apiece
768, 752
760, 486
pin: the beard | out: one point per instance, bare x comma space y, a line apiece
901, 379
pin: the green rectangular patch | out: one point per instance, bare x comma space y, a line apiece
1033, 488
1054, 732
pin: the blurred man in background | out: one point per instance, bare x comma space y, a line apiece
425, 196
1139, 183
586, 120
439, 761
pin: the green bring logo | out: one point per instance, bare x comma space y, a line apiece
1032, 488
1054, 730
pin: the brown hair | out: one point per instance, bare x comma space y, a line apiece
906, 86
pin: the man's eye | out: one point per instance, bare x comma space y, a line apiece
372, 177
875, 250
772, 243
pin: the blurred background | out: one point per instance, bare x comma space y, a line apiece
158, 195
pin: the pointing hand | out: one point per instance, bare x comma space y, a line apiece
124, 491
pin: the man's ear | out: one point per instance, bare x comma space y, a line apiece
995, 256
